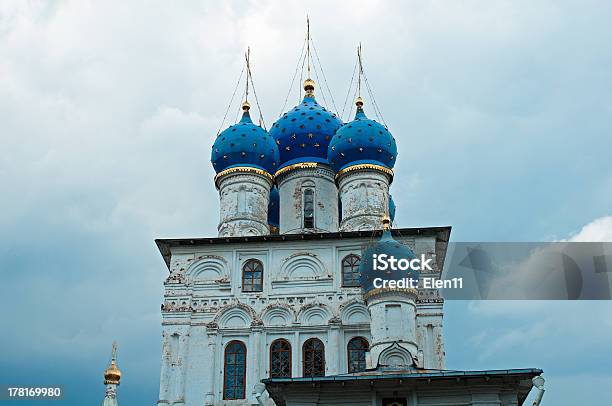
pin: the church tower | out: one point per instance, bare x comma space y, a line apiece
362, 153
306, 185
112, 376
244, 157
393, 311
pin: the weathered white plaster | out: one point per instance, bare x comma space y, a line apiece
393, 328
110, 395
204, 308
243, 201
364, 194
291, 186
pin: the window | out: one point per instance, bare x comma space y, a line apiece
357, 348
234, 370
313, 358
280, 359
350, 271
252, 276
308, 208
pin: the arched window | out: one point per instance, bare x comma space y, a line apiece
252, 276
313, 358
356, 351
308, 208
280, 359
234, 371
350, 271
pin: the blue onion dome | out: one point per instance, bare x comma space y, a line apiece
362, 141
273, 208
391, 208
244, 144
386, 245
303, 133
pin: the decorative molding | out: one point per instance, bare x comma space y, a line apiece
235, 311
361, 167
335, 321
301, 165
278, 314
375, 293
396, 356
354, 312
302, 260
313, 314
208, 264
242, 170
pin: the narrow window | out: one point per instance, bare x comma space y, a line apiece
174, 349
313, 358
357, 348
241, 200
280, 359
350, 271
234, 371
252, 276
308, 208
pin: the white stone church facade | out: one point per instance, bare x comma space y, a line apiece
302, 298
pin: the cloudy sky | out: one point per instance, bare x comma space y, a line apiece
501, 111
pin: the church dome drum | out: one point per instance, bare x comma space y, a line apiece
362, 141
303, 133
244, 145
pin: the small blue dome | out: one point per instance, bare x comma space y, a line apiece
303, 133
273, 208
386, 245
362, 141
244, 144
391, 208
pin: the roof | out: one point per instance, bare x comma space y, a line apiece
442, 235
303, 133
387, 245
362, 141
408, 374
280, 387
244, 144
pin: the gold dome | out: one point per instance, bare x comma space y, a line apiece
309, 86
112, 375
359, 101
246, 106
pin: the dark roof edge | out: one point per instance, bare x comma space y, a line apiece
165, 244
417, 375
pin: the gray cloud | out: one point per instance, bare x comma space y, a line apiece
108, 110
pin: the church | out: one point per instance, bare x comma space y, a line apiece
279, 309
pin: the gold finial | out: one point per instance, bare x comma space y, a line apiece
112, 375
246, 106
309, 86
386, 223
359, 102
